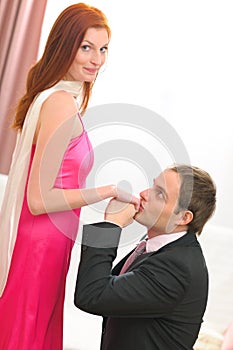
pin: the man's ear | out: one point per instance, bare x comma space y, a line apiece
186, 217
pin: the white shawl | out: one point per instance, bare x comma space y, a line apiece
14, 192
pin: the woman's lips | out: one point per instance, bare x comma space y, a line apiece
91, 70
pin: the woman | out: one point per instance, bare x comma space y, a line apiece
45, 190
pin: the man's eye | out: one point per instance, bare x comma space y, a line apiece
159, 194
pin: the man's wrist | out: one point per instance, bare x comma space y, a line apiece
101, 235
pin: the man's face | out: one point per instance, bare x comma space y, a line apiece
158, 204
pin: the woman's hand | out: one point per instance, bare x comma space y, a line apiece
126, 197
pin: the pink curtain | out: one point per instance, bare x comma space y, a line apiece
20, 29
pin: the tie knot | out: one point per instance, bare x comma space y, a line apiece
141, 247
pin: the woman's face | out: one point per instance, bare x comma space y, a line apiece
90, 56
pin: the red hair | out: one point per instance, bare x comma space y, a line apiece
61, 48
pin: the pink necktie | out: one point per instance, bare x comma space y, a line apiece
141, 247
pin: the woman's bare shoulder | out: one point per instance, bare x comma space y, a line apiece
58, 108
60, 104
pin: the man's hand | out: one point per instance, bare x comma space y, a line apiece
120, 213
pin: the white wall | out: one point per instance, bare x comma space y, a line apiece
174, 58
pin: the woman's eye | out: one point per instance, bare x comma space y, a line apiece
85, 47
103, 49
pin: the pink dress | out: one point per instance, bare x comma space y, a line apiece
31, 307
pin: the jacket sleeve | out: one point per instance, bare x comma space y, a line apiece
152, 289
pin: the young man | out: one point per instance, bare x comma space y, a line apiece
158, 301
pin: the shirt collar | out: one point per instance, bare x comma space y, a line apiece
155, 243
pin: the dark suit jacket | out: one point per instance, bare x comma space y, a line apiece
157, 305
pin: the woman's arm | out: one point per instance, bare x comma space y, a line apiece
54, 131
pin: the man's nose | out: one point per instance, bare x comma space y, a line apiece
144, 194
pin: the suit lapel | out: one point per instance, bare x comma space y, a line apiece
116, 270
186, 240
